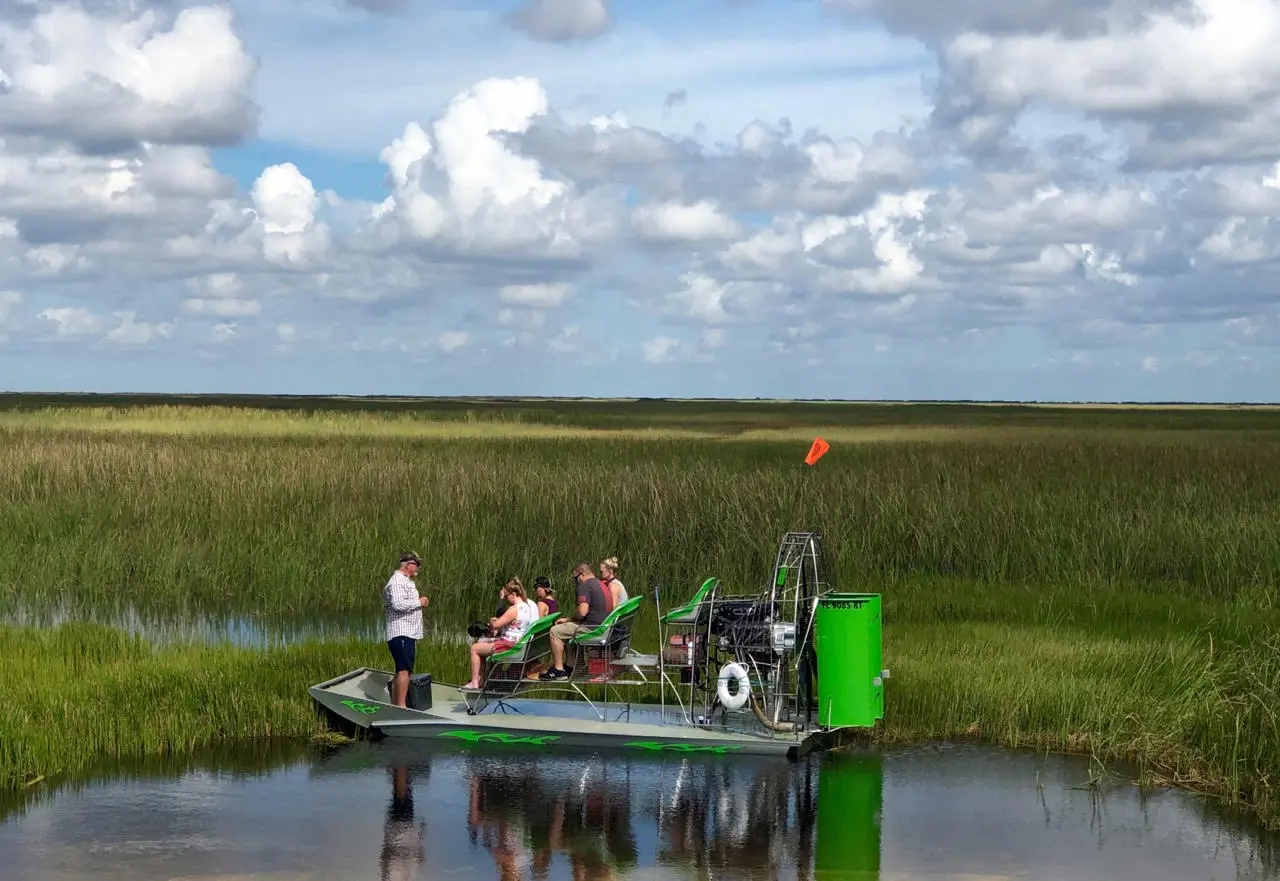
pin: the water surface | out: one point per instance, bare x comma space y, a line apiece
168, 628
405, 811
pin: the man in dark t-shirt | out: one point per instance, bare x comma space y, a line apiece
590, 610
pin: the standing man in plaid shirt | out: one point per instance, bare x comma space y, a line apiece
404, 608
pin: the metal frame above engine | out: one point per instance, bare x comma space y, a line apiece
745, 655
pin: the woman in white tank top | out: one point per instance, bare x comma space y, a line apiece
511, 626
609, 578
526, 614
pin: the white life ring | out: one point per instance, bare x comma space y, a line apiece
738, 674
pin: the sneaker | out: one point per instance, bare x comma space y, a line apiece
553, 673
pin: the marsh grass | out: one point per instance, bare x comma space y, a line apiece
1100, 581
1184, 710
81, 693
721, 416
308, 526
524, 424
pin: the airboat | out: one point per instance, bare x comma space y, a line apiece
785, 669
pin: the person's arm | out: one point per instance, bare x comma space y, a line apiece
506, 618
583, 607
543, 609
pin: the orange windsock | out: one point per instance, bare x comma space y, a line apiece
816, 451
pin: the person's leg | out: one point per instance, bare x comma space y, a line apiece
395, 676
410, 649
481, 648
474, 681
560, 633
402, 652
571, 653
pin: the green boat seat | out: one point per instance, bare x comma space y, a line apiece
526, 648
612, 636
617, 620
688, 613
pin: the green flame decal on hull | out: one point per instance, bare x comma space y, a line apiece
499, 737
367, 709
657, 747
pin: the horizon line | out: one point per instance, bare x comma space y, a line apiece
626, 399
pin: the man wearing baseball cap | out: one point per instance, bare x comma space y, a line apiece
403, 607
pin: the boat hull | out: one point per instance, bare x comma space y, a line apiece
359, 699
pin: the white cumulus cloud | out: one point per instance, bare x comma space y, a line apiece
127, 77
674, 222
1089, 177
285, 202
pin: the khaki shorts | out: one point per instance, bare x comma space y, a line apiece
569, 629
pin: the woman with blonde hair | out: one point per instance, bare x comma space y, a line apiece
510, 626
609, 578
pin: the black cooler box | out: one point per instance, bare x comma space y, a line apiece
419, 697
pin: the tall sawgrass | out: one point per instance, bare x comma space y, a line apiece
1187, 710
305, 527
1109, 587
720, 416
81, 693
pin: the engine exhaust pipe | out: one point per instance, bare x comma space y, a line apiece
766, 721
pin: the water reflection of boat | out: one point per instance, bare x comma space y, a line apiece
531, 811
761, 822
741, 821
609, 816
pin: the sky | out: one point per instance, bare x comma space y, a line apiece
861, 199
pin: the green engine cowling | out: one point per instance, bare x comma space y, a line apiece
850, 655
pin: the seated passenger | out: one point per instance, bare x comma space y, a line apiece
510, 626
545, 595
481, 629
609, 578
591, 610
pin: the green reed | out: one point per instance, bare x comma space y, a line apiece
1108, 587
310, 527
82, 693
1185, 710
